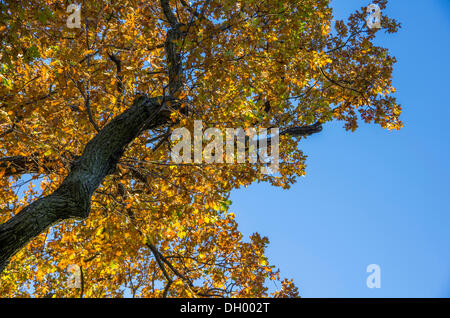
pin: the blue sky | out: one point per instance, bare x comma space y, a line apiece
373, 196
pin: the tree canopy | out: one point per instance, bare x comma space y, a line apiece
86, 115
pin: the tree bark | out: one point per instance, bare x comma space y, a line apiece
73, 197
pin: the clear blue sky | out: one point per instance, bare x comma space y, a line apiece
373, 196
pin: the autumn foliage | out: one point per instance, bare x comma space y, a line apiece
155, 228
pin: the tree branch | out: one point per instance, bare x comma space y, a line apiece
171, 18
174, 35
72, 198
303, 131
17, 165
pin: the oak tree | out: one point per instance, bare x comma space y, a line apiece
86, 115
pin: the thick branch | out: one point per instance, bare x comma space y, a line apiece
303, 131
174, 60
174, 35
168, 13
118, 64
72, 198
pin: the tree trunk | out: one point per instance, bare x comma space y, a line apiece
72, 198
